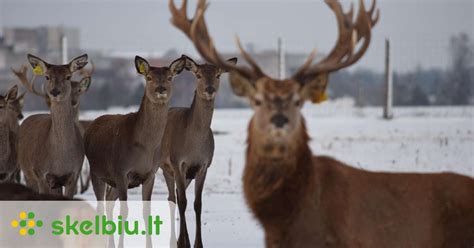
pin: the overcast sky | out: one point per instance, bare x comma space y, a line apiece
419, 29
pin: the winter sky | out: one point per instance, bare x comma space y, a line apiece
419, 29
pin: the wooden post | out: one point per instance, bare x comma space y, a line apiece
388, 104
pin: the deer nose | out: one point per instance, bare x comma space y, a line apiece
161, 89
55, 92
210, 89
279, 120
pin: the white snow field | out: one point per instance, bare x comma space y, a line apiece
429, 139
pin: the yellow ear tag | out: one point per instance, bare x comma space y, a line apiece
323, 97
38, 70
142, 68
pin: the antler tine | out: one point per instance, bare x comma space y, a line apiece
196, 30
350, 33
28, 84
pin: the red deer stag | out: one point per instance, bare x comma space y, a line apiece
11, 106
303, 200
51, 150
188, 144
78, 88
121, 148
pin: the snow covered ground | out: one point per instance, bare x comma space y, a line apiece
417, 139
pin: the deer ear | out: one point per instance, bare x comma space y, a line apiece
314, 89
177, 66
141, 65
241, 86
191, 65
38, 65
78, 63
12, 94
84, 84
232, 61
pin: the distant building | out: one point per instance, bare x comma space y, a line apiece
42, 41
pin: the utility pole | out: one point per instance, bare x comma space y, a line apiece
388, 104
64, 54
281, 60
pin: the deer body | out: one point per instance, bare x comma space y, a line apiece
61, 152
121, 149
188, 145
122, 146
315, 201
51, 150
10, 114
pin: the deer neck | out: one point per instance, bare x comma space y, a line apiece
275, 187
201, 112
63, 122
150, 123
4, 143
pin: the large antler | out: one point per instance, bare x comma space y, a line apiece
21, 74
350, 36
196, 30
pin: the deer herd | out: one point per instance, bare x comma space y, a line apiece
300, 200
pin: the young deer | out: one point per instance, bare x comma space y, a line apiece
51, 150
11, 106
122, 148
303, 200
78, 88
188, 144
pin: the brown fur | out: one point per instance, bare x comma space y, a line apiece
306, 201
121, 149
51, 150
10, 113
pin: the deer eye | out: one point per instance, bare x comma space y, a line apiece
148, 78
47, 77
198, 76
68, 77
170, 78
218, 76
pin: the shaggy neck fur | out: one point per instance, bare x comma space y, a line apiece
201, 112
150, 123
274, 188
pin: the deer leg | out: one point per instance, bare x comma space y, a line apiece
31, 180
198, 187
183, 239
111, 196
147, 190
99, 190
70, 189
122, 188
169, 179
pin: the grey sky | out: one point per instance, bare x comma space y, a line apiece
419, 29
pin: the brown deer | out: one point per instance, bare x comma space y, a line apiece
121, 148
78, 88
51, 150
188, 144
303, 200
11, 106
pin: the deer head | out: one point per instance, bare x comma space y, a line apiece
11, 105
158, 79
277, 103
58, 77
78, 88
208, 77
